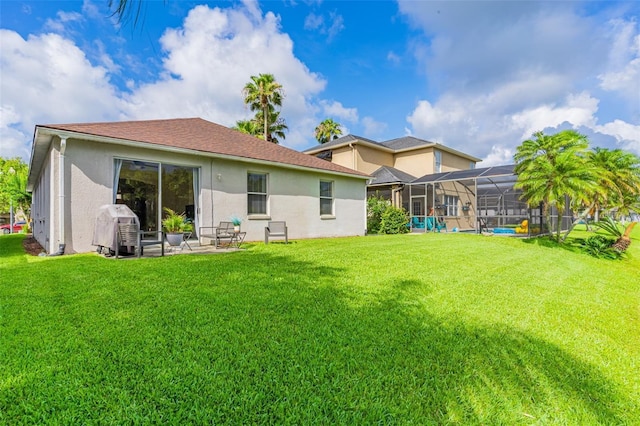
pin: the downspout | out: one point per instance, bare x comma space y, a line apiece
353, 156
61, 243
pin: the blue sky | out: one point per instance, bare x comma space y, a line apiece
477, 76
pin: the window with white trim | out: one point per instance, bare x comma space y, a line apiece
438, 162
326, 198
451, 203
257, 195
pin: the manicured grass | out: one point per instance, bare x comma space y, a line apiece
407, 329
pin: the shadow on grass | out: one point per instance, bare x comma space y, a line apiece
262, 337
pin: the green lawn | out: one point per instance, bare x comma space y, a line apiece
407, 329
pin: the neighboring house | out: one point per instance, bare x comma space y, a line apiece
393, 163
208, 171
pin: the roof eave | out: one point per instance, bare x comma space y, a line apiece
137, 144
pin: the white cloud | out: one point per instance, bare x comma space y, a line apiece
47, 79
504, 70
373, 128
209, 60
332, 26
313, 21
205, 65
336, 109
577, 109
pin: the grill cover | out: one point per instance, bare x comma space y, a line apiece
107, 220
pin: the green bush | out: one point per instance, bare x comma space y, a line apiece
600, 246
394, 221
376, 206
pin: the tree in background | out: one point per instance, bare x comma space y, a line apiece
255, 126
553, 167
13, 185
250, 127
328, 130
263, 94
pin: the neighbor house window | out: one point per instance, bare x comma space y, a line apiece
438, 162
257, 193
451, 202
326, 198
472, 165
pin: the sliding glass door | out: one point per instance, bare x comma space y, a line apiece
147, 188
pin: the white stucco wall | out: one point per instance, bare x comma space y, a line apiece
293, 194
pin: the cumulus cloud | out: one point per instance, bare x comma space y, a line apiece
508, 69
205, 64
336, 109
208, 61
372, 128
48, 79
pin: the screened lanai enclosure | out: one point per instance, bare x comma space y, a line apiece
477, 200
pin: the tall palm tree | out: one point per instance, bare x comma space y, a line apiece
263, 93
250, 127
618, 175
276, 125
328, 130
552, 167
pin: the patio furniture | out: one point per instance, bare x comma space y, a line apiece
224, 231
433, 224
417, 223
135, 241
276, 229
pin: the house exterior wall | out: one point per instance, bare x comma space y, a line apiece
370, 159
344, 157
41, 206
293, 194
418, 162
452, 162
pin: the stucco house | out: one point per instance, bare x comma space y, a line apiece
190, 165
393, 163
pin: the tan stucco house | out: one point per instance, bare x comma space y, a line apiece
393, 163
191, 165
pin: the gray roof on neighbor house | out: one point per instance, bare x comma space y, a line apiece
341, 141
392, 145
485, 172
388, 175
406, 142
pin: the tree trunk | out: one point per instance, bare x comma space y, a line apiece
581, 217
623, 243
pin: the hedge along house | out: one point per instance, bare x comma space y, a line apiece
394, 163
208, 171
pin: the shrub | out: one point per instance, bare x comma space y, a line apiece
394, 221
383, 218
600, 246
376, 206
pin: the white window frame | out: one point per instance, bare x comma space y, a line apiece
265, 194
437, 161
451, 201
324, 197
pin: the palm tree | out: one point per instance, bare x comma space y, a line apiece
552, 167
263, 93
124, 8
619, 177
250, 127
328, 130
277, 125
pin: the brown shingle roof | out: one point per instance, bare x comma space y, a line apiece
204, 136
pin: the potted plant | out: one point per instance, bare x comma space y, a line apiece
175, 225
236, 223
